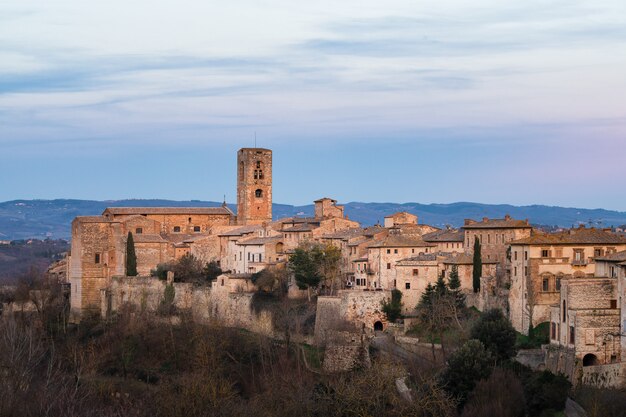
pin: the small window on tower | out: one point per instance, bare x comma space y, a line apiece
258, 164
176, 229
258, 193
196, 229
260, 174
138, 231
97, 258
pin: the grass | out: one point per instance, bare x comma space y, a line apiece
313, 355
538, 337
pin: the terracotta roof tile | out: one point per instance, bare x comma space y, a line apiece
580, 236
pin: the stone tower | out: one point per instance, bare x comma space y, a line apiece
254, 186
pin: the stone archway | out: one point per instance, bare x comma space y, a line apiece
590, 360
378, 326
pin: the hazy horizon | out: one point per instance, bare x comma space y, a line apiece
521, 103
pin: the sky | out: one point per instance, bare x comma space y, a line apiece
437, 101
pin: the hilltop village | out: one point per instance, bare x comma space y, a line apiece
571, 281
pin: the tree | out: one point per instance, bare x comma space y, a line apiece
501, 395
496, 333
393, 308
468, 365
546, 391
131, 257
188, 268
212, 270
454, 284
304, 269
437, 311
313, 263
477, 265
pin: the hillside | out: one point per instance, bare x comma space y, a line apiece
22, 219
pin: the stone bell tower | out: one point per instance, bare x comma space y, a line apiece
254, 186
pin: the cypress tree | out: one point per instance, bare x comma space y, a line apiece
478, 265
454, 283
440, 286
131, 257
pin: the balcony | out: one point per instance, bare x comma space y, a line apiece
579, 262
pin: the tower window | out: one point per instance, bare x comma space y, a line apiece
256, 174
258, 164
138, 231
260, 174
258, 193
97, 258
176, 229
196, 229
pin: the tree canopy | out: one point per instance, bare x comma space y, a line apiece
131, 257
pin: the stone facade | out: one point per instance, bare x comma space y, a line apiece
254, 186
540, 262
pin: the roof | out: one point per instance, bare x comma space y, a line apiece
613, 257
169, 210
260, 240
422, 257
578, 236
304, 227
325, 199
506, 223
344, 234
400, 241
241, 230
91, 219
400, 214
448, 235
364, 259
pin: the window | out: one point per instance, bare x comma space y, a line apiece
248, 255
579, 255
515, 255
515, 270
138, 231
553, 331
545, 285
416, 272
597, 252
196, 229
412, 250
488, 238
388, 265
559, 252
258, 193
395, 251
572, 335
545, 253
407, 286
564, 311
260, 174
525, 255
613, 304
176, 229
558, 284
97, 258
388, 250
258, 164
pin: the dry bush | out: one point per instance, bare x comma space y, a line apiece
501, 395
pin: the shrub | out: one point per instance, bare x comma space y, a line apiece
546, 391
468, 365
501, 395
496, 333
393, 308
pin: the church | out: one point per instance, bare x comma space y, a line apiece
163, 234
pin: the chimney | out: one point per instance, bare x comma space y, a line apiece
485, 219
467, 222
507, 217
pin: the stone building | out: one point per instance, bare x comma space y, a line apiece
494, 235
400, 218
415, 273
447, 240
540, 262
586, 320
163, 234
254, 186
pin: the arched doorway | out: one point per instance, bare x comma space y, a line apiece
378, 326
590, 360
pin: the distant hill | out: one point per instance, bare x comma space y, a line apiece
22, 219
